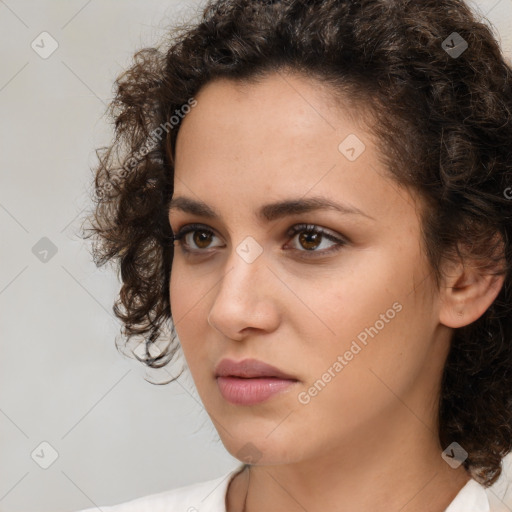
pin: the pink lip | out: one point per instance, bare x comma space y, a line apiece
250, 381
249, 368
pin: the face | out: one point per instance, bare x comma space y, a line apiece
344, 304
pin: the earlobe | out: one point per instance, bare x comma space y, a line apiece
466, 295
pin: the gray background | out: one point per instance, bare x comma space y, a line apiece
116, 436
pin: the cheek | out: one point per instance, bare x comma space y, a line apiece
185, 309
344, 394
343, 304
187, 298
372, 319
184, 295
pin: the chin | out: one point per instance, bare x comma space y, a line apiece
261, 448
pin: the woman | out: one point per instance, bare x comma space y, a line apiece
335, 177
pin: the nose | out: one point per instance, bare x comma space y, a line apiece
246, 299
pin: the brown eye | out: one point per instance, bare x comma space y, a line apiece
202, 238
311, 237
310, 240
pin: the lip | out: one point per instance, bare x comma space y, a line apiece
250, 381
248, 369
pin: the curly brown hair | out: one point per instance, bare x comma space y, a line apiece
443, 120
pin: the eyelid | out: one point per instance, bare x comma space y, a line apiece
189, 228
339, 240
328, 233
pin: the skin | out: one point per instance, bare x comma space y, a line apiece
368, 440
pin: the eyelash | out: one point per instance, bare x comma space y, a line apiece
294, 230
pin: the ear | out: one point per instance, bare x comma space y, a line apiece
466, 293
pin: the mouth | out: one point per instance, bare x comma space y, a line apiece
250, 381
250, 369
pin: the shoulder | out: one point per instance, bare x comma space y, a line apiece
473, 497
208, 496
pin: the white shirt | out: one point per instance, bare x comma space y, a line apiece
210, 496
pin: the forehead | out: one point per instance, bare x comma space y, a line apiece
274, 123
280, 137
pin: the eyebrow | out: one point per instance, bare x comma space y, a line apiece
269, 212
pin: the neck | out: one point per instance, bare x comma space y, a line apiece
365, 474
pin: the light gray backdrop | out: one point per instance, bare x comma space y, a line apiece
79, 424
